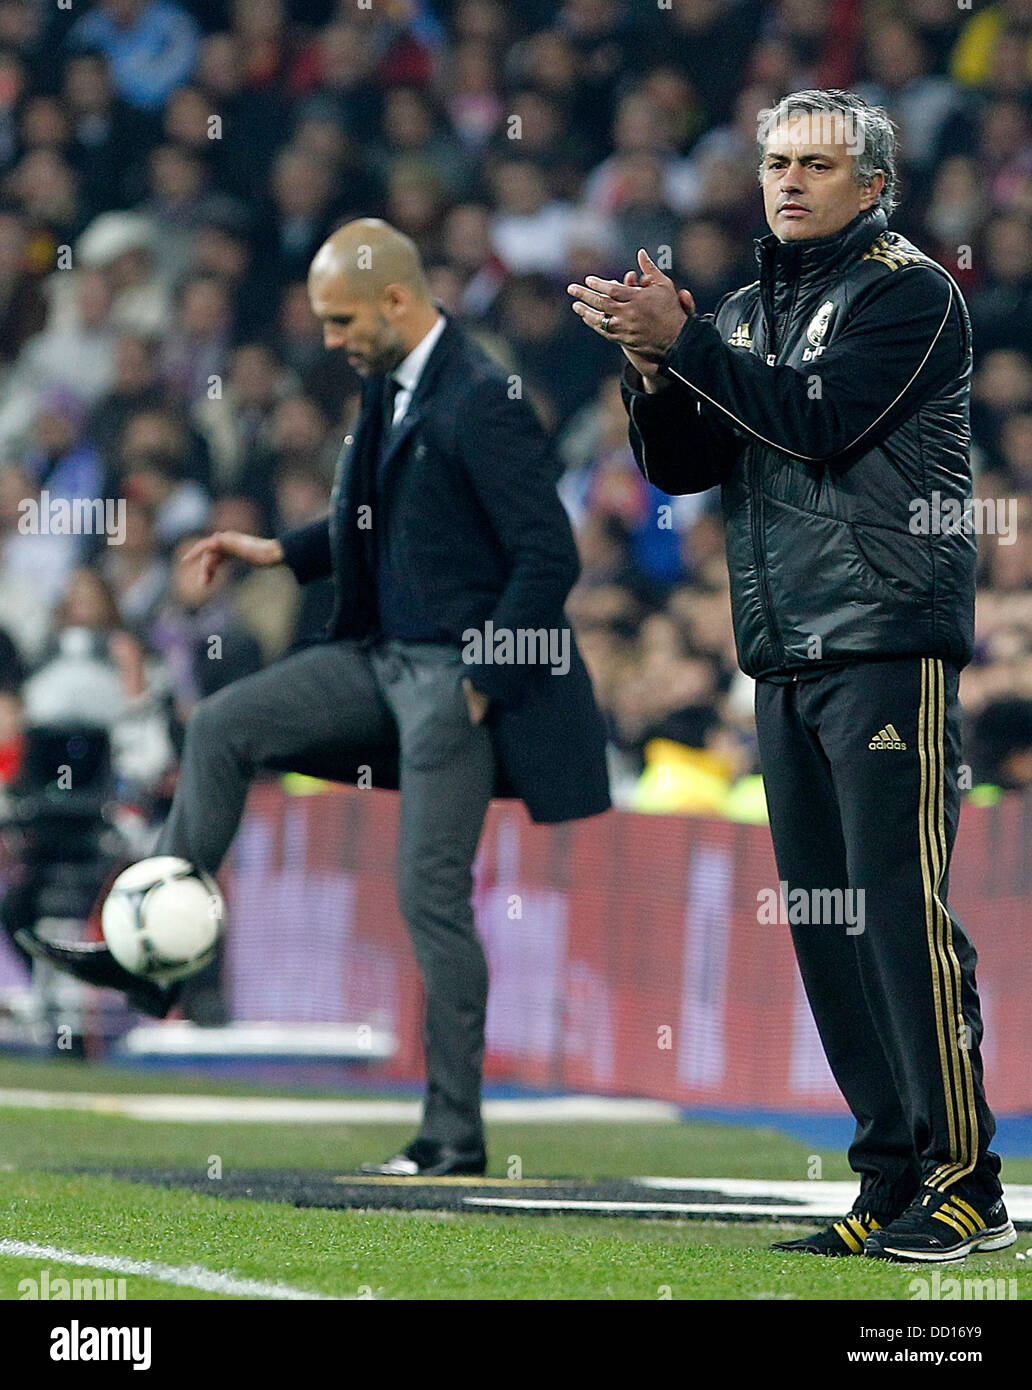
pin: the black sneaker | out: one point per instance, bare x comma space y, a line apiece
939, 1227
845, 1237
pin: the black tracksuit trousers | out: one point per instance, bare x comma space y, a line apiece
861, 766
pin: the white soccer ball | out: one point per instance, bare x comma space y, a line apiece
163, 918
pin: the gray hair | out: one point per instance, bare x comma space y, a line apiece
870, 135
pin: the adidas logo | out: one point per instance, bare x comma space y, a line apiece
887, 738
741, 337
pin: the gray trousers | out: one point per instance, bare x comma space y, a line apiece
355, 697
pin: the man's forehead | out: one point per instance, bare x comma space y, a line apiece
335, 289
817, 132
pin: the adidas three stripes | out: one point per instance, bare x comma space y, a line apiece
861, 768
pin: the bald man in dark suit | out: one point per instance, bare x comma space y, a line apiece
448, 668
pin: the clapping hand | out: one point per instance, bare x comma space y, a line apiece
644, 312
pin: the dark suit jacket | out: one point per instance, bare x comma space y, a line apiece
475, 532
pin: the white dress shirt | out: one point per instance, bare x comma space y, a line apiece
410, 369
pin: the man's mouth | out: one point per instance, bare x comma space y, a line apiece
793, 209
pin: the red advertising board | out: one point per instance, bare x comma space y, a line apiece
627, 952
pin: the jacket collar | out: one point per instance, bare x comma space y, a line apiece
448, 342
809, 262
408, 372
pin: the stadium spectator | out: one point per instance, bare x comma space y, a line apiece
199, 336
58, 459
299, 217
22, 305
151, 46
531, 319
135, 385
972, 59
109, 137
137, 572
185, 291
202, 645
1000, 307
95, 672
120, 248
154, 458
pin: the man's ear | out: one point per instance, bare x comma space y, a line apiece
395, 300
872, 189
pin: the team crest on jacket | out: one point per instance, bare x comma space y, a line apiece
818, 325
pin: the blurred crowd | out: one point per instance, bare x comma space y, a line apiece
167, 170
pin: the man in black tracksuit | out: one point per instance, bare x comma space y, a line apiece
829, 400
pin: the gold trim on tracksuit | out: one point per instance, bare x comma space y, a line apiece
954, 1058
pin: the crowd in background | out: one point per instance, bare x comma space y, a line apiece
168, 169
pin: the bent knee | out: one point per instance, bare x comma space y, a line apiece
214, 719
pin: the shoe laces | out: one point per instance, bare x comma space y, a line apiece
920, 1209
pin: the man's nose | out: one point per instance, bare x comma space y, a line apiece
792, 178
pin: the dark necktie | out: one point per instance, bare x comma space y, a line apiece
391, 387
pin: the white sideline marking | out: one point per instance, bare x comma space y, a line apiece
829, 1199
330, 1041
809, 1200
186, 1276
565, 1204
290, 1111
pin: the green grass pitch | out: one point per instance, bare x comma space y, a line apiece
410, 1255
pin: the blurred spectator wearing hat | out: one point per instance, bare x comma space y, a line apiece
120, 246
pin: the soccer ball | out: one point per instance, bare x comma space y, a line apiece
163, 918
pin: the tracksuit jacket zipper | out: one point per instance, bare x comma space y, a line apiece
755, 475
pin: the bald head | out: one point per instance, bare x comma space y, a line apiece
370, 255
367, 286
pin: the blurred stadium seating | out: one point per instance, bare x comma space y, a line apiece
156, 345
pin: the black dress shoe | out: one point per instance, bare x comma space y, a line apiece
93, 963
423, 1159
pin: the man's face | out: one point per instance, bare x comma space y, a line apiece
358, 325
808, 185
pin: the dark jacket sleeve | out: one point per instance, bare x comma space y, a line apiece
307, 551
677, 444
509, 461
904, 342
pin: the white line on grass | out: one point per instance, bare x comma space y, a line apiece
186, 1276
286, 1110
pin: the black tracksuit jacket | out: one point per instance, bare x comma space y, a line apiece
830, 401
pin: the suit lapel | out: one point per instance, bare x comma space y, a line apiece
436, 364
356, 481
400, 434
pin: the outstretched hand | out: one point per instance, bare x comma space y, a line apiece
223, 545
644, 312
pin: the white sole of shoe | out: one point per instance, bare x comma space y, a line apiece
997, 1239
